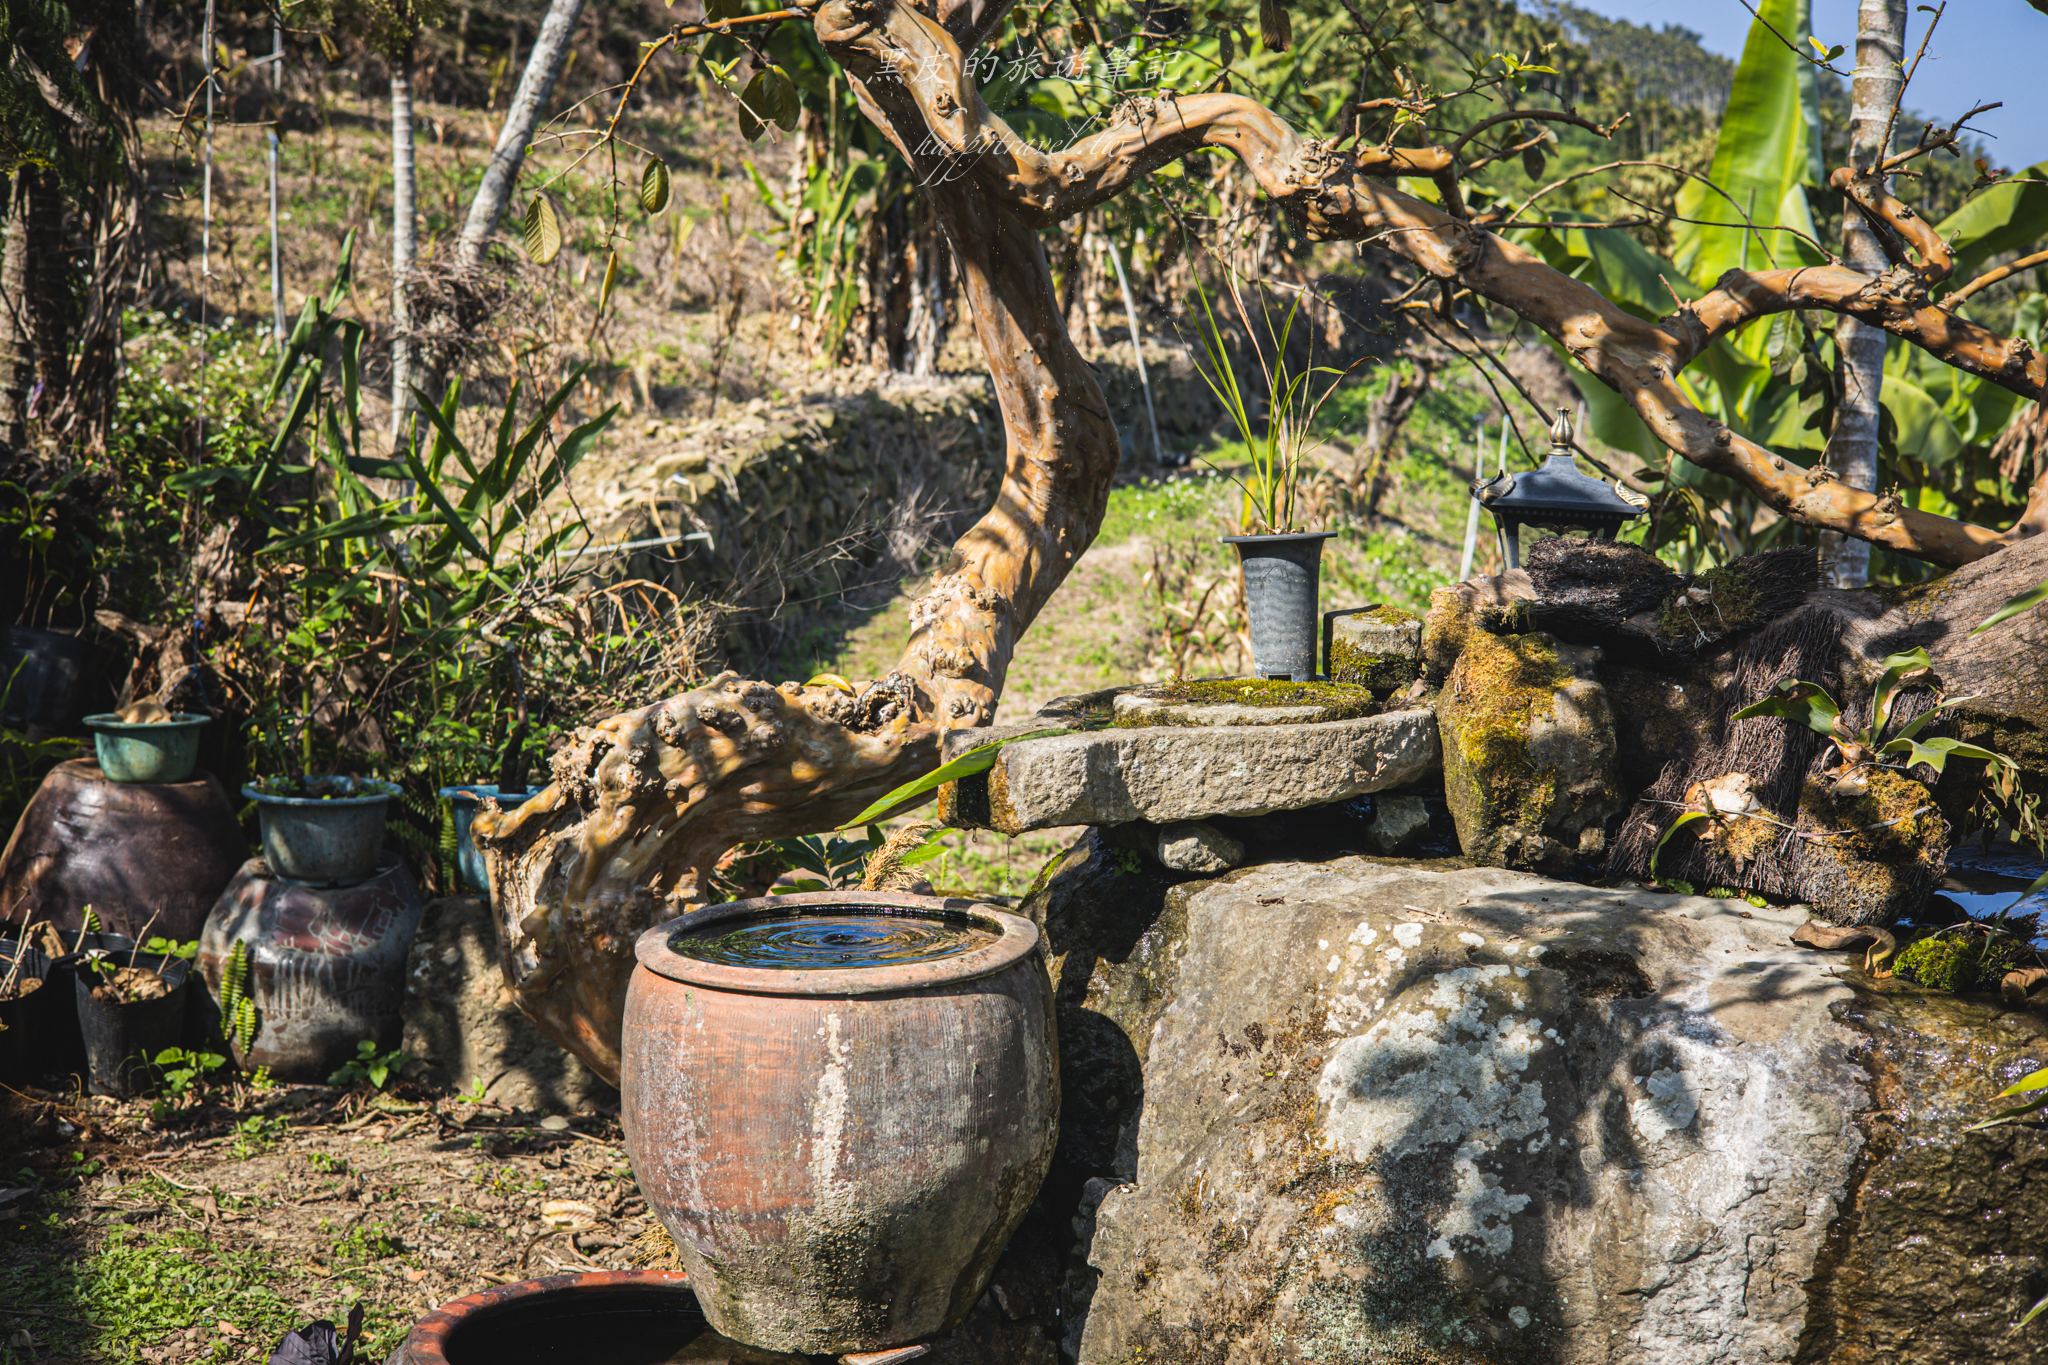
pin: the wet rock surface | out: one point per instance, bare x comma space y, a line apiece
1370, 1111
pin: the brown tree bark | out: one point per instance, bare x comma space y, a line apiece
643, 805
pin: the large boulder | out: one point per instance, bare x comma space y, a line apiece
1361, 1111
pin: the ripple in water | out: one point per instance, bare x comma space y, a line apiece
873, 938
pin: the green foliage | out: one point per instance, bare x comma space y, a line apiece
181, 1071
1277, 439
371, 1066
237, 1007
976, 760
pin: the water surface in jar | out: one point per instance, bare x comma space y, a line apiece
863, 938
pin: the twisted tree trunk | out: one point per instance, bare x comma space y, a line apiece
644, 804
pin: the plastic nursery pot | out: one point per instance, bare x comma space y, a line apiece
837, 1174
146, 751
331, 835
64, 1054
25, 1013
125, 1031
642, 1317
464, 801
1281, 577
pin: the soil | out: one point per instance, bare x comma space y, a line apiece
131, 986
185, 1231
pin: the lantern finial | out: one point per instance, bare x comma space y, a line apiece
1561, 431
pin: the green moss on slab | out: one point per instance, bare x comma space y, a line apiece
1382, 671
1341, 701
1885, 843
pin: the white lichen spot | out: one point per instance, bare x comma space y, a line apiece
1335, 963
1322, 945
1446, 1076
1408, 935
1519, 1316
1666, 1105
1394, 956
1364, 934
828, 1119
1470, 939
1480, 1215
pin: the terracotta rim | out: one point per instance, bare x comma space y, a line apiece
427, 1343
1019, 940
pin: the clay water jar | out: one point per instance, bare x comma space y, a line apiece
622, 1317
138, 853
842, 1153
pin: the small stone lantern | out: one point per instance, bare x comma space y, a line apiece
1556, 497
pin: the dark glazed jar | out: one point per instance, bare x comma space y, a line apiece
841, 1154
138, 853
326, 965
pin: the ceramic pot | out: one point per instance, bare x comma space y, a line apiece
326, 965
465, 801
1282, 575
152, 751
122, 1037
642, 1317
840, 1154
332, 840
129, 850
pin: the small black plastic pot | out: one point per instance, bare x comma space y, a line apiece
1282, 574
64, 1054
122, 1039
26, 1017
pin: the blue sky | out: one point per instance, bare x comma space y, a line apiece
1983, 50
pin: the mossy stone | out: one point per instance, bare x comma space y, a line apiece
1379, 648
1529, 753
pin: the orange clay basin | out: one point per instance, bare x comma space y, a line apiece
840, 1104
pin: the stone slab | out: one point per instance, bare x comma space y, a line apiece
1376, 647
1165, 774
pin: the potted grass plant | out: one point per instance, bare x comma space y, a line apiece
1281, 558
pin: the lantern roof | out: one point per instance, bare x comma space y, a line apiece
1557, 489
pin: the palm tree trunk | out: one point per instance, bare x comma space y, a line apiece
404, 238
1852, 447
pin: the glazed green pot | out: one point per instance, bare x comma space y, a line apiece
146, 751
335, 838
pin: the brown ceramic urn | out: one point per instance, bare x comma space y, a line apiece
840, 1151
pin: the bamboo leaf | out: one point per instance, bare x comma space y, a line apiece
654, 186
2014, 606
2033, 1080
611, 278
541, 231
974, 761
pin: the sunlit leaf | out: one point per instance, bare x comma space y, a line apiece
654, 186
541, 230
2014, 606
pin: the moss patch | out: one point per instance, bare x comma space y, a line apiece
1886, 844
1502, 685
1957, 962
1341, 701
